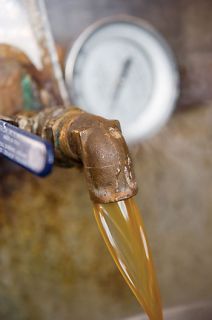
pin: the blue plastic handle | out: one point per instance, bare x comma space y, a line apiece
26, 149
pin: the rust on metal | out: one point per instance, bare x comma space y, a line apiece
97, 144
14, 65
79, 138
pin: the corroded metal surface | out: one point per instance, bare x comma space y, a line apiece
10, 81
22, 86
80, 138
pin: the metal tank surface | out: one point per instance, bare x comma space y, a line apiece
53, 262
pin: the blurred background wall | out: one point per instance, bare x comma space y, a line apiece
53, 263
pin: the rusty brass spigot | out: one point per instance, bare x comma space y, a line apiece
80, 138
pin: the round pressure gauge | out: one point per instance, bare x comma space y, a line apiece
121, 68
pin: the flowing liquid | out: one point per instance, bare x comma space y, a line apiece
123, 231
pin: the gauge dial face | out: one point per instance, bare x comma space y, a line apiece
122, 69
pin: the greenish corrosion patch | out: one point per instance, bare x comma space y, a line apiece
30, 97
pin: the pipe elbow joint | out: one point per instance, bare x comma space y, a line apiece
99, 144
80, 138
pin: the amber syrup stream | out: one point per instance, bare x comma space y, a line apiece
123, 231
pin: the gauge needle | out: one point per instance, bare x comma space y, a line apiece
122, 78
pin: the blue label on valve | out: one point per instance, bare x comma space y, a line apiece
26, 149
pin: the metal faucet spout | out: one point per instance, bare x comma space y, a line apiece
80, 138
